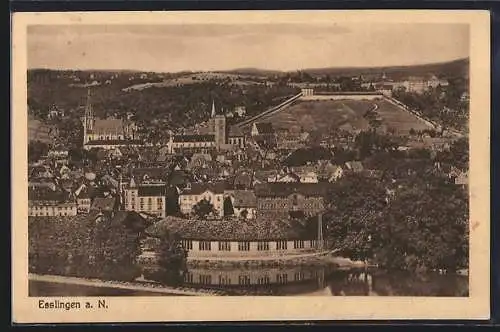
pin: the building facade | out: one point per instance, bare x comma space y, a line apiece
196, 192
51, 209
280, 199
147, 196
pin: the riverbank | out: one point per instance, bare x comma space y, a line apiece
139, 286
321, 259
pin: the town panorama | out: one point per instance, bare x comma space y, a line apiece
334, 181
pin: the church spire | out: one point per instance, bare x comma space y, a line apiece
213, 108
89, 112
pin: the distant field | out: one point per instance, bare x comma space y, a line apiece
194, 78
321, 115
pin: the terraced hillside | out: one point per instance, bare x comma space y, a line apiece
322, 115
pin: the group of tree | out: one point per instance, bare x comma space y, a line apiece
441, 104
203, 209
417, 224
171, 260
101, 248
92, 248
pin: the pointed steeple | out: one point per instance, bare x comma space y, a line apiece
213, 108
89, 112
132, 183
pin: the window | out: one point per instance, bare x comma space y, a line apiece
281, 245
298, 276
298, 244
244, 280
261, 246
159, 201
205, 245
224, 280
141, 202
312, 243
187, 244
150, 201
282, 278
244, 246
224, 246
263, 280
205, 279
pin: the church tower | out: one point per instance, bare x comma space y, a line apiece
220, 131
219, 126
88, 119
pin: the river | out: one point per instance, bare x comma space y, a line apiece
290, 281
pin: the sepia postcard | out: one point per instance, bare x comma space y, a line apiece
250, 166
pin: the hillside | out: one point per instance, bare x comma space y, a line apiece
445, 69
456, 68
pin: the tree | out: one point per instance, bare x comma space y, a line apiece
352, 217
460, 153
418, 224
228, 207
172, 207
203, 208
171, 259
425, 227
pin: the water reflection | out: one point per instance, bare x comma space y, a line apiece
321, 281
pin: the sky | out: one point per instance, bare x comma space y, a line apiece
209, 47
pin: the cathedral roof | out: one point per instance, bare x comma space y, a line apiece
109, 125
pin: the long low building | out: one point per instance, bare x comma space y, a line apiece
237, 238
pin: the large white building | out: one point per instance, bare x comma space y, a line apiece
196, 192
50, 204
147, 196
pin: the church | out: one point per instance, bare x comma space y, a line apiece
219, 137
107, 133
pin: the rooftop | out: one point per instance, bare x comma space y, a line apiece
151, 190
103, 204
200, 188
193, 138
244, 199
264, 128
114, 142
286, 189
234, 229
